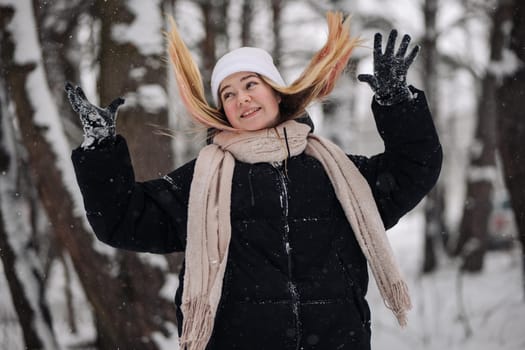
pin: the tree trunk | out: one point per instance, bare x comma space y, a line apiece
23, 307
140, 70
136, 70
215, 36
435, 228
511, 97
120, 324
58, 23
473, 234
18, 254
246, 22
277, 7
185, 146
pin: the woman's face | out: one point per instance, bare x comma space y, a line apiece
249, 103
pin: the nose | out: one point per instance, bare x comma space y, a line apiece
244, 98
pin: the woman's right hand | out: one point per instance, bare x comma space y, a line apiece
98, 124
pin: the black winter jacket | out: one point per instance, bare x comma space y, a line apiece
295, 276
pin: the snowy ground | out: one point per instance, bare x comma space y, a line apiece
453, 312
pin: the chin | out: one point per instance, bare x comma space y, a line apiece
252, 125
261, 126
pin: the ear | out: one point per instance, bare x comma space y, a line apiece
278, 97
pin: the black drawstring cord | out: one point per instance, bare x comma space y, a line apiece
288, 150
286, 140
285, 161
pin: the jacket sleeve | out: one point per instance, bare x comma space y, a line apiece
410, 165
139, 216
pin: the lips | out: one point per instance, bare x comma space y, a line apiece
250, 112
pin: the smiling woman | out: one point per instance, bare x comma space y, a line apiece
317, 80
278, 225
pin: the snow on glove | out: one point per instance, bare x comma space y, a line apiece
98, 123
390, 70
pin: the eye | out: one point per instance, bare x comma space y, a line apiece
226, 95
251, 84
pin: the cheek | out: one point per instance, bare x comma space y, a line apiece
274, 103
230, 113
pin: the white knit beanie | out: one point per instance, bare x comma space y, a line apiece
244, 59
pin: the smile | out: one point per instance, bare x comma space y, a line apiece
250, 113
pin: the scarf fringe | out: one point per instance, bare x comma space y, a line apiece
399, 302
195, 335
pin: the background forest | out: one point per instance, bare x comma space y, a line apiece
461, 248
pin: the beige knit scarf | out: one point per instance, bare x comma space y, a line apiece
209, 228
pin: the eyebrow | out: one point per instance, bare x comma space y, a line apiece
251, 75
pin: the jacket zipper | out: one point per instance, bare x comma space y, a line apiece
292, 286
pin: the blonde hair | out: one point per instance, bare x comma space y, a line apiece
316, 82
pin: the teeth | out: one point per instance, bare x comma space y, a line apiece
249, 112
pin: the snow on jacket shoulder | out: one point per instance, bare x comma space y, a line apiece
295, 276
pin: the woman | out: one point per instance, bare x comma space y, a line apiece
277, 224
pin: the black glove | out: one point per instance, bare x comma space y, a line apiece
98, 123
390, 71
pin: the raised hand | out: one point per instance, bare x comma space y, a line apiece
390, 70
98, 123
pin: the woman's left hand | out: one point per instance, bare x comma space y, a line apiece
390, 70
